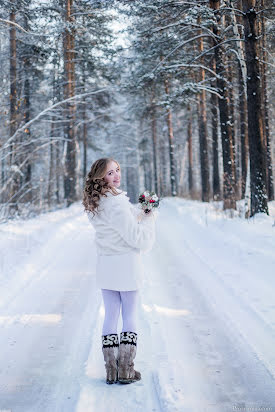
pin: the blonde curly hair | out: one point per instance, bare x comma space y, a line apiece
96, 186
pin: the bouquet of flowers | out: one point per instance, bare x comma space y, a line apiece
148, 201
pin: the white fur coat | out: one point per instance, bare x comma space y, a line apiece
123, 231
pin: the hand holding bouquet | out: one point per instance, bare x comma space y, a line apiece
148, 201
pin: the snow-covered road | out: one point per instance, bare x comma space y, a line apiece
206, 317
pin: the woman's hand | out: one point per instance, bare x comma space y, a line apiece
147, 211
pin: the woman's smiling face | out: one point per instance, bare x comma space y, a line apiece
112, 176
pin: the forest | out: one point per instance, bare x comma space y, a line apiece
181, 93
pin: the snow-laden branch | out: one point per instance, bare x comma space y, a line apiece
24, 145
26, 184
262, 10
193, 26
231, 9
213, 48
157, 29
88, 121
26, 125
266, 62
244, 13
209, 89
19, 167
187, 3
178, 47
192, 65
12, 23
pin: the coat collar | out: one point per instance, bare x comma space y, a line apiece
122, 191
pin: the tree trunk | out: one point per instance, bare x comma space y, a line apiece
255, 121
53, 163
231, 102
265, 107
85, 141
51, 166
190, 153
163, 170
243, 132
27, 116
242, 96
171, 145
13, 158
226, 129
69, 91
154, 138
84, 130
202, 119
57, 172
215, 147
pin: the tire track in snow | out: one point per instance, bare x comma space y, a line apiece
215, 383
76, 361
38, 262
42, 360
259, 335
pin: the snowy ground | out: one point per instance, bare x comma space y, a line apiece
206, 318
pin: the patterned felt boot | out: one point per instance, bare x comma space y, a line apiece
110, 346
126, 355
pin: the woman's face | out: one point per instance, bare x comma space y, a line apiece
112, 175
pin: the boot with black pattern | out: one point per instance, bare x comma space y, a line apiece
126, 355
110, 346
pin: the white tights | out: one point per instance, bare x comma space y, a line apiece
113, 299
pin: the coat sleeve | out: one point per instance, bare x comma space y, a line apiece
136, 211
137, 234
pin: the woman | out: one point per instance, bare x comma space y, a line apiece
122, 232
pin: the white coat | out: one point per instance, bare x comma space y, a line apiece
122, 233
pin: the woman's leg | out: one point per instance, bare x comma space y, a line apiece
112, 303
128, 338
129, 302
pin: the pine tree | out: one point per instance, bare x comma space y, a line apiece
255, 121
